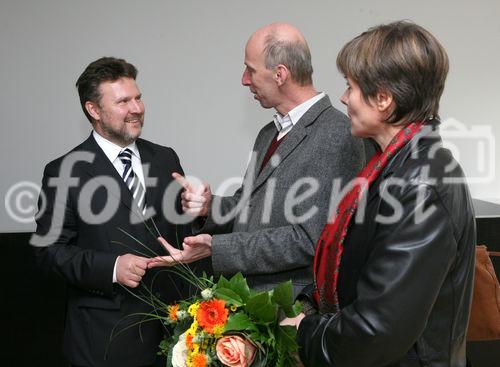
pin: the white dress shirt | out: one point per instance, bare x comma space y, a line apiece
112, 150
285, 123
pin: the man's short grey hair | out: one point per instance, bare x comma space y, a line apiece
295, 55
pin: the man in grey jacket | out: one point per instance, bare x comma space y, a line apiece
269, 228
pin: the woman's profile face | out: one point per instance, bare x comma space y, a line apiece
365, 118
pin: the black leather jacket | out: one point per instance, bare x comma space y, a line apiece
405, 285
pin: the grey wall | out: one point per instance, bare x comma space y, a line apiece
190, 57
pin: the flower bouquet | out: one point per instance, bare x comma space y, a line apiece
229, 324
226, 323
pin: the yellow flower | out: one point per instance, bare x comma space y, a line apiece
218, 331
234, 308
193, 328
193, 309
196, 348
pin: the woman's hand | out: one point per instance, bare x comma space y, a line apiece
294, 321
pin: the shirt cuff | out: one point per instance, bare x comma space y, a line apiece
114, 271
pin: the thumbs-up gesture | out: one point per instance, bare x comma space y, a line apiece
195, 200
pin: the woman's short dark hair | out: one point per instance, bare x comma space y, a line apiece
403, 59
105, 69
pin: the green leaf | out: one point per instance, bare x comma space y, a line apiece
283, 294
223, 282
229, 296
239, 321
285, 336
280, 352
261, 308
297, 308
239, 285
294, 310
259, 337
286, 346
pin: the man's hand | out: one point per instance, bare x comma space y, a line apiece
195, 200
194, 248
130, 269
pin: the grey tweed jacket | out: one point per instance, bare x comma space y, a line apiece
269, 228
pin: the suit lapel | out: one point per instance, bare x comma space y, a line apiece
151, 170
260, 151
292, 141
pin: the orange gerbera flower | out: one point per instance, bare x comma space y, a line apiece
199, 360
189, 341
211, 314
172, 312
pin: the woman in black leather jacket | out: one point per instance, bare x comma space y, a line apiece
394, 267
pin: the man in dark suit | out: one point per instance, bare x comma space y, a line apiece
100, 213
269, 228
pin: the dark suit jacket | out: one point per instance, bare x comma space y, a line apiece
82, 250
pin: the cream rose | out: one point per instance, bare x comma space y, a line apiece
179, 352
235, 351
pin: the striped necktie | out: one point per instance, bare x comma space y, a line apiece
132, 181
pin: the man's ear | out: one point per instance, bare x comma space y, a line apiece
384, 101
281, 74
93, 110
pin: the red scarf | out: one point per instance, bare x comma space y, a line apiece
331, 243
